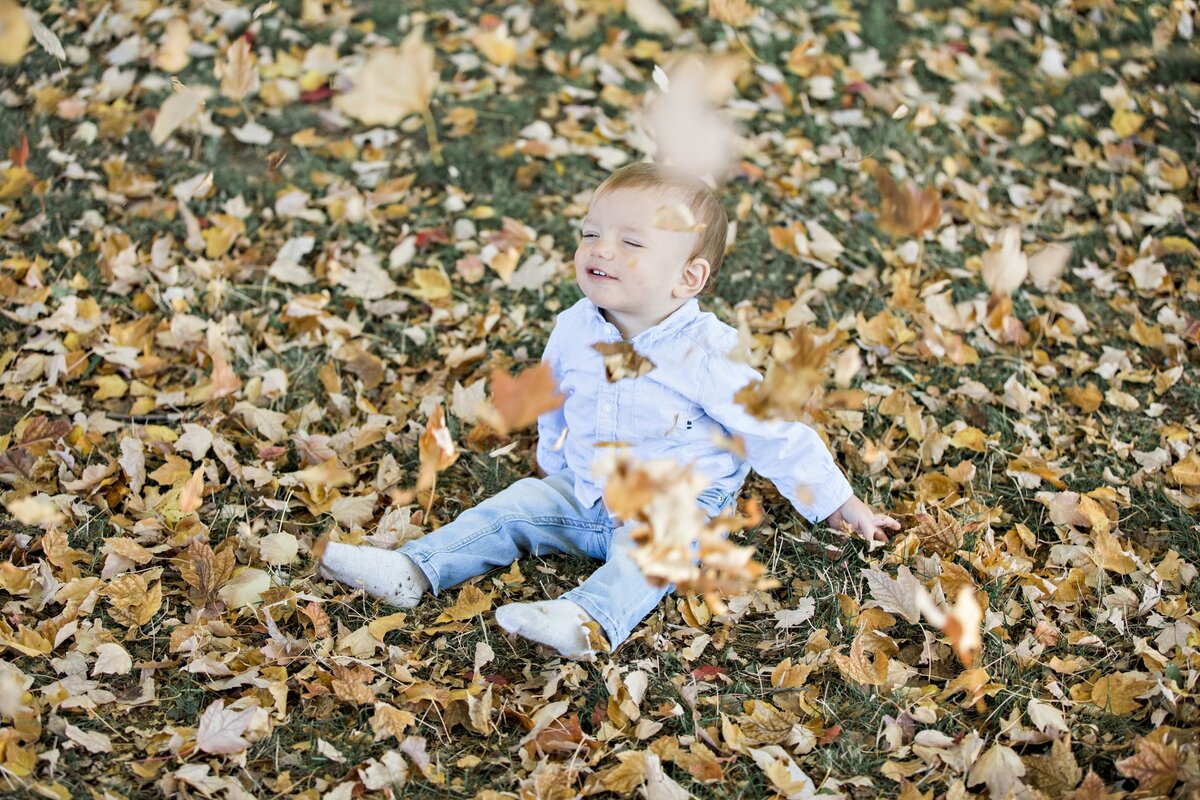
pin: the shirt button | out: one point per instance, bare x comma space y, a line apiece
607, 407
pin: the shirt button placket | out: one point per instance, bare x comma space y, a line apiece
607, 417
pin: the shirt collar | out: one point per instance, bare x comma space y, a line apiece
678, 318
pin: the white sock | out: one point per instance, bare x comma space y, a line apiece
558, 624
387, 574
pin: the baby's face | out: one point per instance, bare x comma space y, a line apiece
643, 263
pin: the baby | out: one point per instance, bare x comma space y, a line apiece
641, 265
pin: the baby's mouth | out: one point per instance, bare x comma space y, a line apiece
600, 274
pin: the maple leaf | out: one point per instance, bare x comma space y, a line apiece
1155, 765
906, 212
220, 730
899, 595
1000, 768
520, 401
858, 668
392, 83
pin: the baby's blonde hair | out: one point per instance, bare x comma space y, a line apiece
695, 194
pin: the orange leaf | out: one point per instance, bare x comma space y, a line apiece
521, 400
193, 490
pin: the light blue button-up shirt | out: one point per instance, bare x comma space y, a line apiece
674, 410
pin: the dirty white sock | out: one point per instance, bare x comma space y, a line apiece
558, 624
387, 574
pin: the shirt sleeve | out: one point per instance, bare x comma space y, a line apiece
552, 423
790, 454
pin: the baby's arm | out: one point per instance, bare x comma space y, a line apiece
552, 423
790, 454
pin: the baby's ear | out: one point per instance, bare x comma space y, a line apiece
694, 276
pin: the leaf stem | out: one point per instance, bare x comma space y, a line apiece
435, 146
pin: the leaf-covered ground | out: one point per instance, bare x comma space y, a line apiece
246, 252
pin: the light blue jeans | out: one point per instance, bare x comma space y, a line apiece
542, 516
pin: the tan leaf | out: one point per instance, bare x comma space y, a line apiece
1057, 772
352, 684
112, 659
1046, 265
731, 12
172, 55
899, 595
858, 668
245, 587
1004, 265
1116, 694
1110, 555
903, 212
177, 109
621, 360
393, 83
220, 730
191, 496
391, 721
238, 71
1000, 768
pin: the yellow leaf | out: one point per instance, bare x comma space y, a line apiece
1126, 122
432, 284
470, 602
496, 45
1116, 694
14, 32
1186, 472
109, 387
383, 625
1110, 555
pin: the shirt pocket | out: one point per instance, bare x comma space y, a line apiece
666, 415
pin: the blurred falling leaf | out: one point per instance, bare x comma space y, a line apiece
393, 83
904, 212
238, 72
520, 401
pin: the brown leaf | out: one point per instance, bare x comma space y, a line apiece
1155, 766
1056, 772
391, 721
205, 571
906, 212
621, 360
352, 684
858, 668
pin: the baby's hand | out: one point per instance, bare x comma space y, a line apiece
861, 519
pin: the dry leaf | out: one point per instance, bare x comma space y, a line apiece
393, 83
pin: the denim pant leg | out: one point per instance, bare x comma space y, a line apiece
533, 515
617, 595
